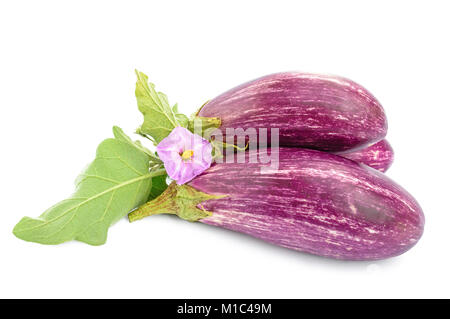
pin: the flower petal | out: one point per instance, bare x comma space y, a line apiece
179, 140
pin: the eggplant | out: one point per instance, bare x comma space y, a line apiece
315, 202
314, 111
379, 156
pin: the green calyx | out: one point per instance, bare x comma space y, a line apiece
204, 125
180, 200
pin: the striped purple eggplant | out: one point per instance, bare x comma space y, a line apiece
313, 111
314, 202
378, 156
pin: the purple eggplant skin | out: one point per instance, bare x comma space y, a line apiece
314, 111
379, 156
315, 202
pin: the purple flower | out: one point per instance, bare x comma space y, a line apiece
185, 155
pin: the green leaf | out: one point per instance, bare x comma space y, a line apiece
158, 182
117, 181
181, 118
159, 117
121, 136
159, 185
175, 108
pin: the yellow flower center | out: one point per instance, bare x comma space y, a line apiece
187, 154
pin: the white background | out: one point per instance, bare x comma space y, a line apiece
67, 75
